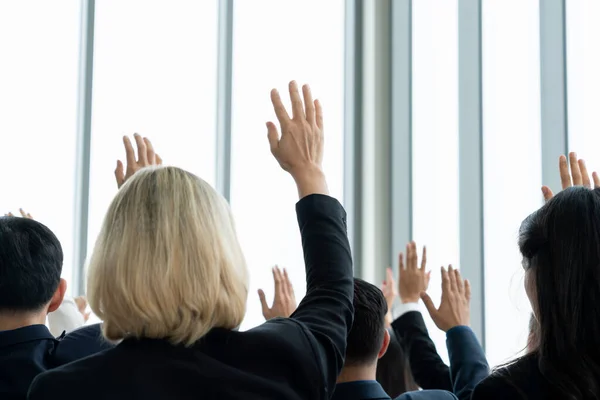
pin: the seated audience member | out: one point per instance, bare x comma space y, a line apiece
71, 314
168, 277
561, 258
368, 339
30, 287
393, 369
469, 365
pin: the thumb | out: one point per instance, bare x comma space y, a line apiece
119, 173
263, 301
428, 304
547, 193
273, 136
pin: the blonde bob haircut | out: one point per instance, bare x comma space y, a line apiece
167, 263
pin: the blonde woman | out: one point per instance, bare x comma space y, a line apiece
168, 278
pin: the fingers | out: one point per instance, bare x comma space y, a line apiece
297, 109
596, 179
563, 167
411, 256
424, 259
141, 149
452, 278
547, 193
150, 155
280, 112
158, 159
120, 174
278, 282
24, 214
319, 114
460, 285
288, 282
273, 136
389, 276
468, 290
401, 262
427, 279
446, 285
129, 153
429, 304
263, 301
309, 106
585, 177
9, 215
575, 172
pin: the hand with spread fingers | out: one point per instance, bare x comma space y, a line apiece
578, 177
413, 279
456, 299
284, 302
146, 158
23, 214
299, 148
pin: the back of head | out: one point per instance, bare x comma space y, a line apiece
31, 261
560, 244
167, 263
368, 330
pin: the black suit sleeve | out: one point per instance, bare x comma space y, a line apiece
468, 364
327, 309
81, 343
427, 367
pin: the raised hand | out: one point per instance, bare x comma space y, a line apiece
456, 299
413, 279
578, 177
284, 302
299, 148
146, 157
389, 288
82, 303
23, 214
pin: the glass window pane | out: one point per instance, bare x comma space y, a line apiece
512, 164
155, 74
435, 140
583, 64
262, 195
39, 42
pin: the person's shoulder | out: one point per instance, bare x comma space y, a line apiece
427, 395
72, 378
515, 380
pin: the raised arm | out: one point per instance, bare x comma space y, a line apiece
327, 309
427, 367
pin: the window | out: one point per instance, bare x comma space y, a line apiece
512, 164
155, 74
39, 76
583, 63
274, 42
435, 141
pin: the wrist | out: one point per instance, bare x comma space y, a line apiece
310, 180
410, 299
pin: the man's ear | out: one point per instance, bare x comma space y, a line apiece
385, 344
58, 296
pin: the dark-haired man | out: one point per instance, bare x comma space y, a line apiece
31, 261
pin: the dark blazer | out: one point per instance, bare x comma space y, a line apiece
521, 380
293, 358
372, 390
468, 364
31, 350
428, 369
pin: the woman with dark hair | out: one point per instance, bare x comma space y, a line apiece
560, 244
393, 369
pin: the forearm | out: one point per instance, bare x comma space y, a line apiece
468, 364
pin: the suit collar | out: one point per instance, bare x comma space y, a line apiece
25, 334
359, 390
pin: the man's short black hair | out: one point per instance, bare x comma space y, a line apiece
368, 330
31, 261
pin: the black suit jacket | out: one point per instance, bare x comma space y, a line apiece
372, 390
521, 380
468, 364
31, 350
294, 358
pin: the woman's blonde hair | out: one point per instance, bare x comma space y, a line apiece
167, 262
